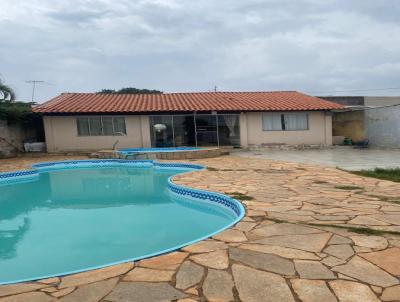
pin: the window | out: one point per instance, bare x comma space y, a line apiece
100, 126
295, 121
273, 121
83, 126
119, 125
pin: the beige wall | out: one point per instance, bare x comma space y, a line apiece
244, 138
61, 135
320, 131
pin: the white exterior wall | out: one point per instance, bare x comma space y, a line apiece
62, 135
319, 132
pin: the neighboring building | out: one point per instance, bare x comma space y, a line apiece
90, 121
368, 117
363, 101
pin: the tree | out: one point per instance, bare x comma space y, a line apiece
6, 93
107, 91
11, 110
130, 90
16, 112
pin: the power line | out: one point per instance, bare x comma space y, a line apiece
34, 82
356, 90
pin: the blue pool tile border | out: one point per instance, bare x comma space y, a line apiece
112, 162
220, 199
17, 174
191, 194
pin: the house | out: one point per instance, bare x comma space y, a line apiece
93, 121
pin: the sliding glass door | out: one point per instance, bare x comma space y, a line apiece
229, 130
193, 130
161, 131
206, 130
184, 130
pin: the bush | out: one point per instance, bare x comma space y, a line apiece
16, 112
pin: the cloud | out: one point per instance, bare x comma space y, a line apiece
182, 45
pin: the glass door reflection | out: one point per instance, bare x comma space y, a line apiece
206, 130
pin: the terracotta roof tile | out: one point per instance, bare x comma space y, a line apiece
69, 103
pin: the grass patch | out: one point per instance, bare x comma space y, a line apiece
226, 170
276, 220
212, 169
271, 171
240, 196
348, 188
386, 174
320, 182
365, 231
386, 198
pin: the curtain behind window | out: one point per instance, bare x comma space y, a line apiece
231, 121
83, 126
119, 125
107, 125
296, 121
95, 126
272, 121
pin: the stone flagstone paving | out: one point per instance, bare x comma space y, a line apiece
293, 245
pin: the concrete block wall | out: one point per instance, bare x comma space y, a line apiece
11, 139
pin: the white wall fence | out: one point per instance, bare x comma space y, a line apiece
382, 126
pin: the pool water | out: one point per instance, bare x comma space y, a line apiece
77, 219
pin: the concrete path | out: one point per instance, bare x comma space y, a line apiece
296, 243
346, 158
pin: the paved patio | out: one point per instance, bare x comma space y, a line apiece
346, 158
295, 243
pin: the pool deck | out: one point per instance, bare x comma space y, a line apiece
295, 243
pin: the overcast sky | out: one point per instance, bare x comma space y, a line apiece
314, 46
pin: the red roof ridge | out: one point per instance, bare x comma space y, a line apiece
195, 92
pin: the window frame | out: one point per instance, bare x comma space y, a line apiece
282, 118
113, 118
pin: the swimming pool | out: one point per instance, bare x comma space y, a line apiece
67, 217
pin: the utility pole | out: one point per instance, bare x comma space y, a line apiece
215, 88
33, 82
